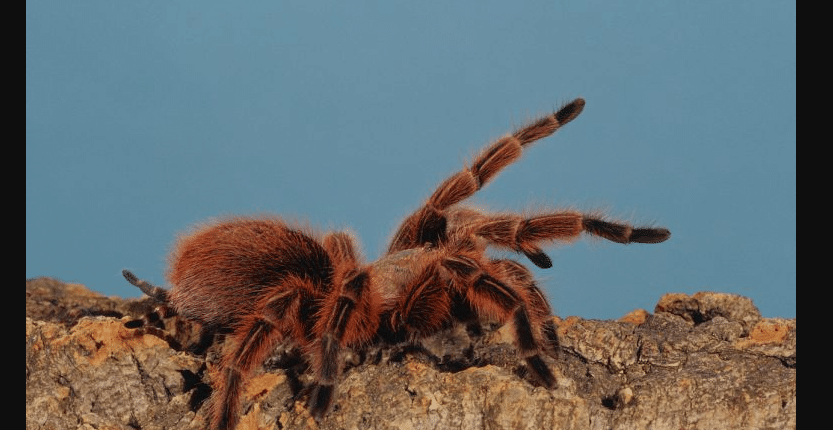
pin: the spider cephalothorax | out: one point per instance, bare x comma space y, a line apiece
263, 281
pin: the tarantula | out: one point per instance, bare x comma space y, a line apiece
263, 281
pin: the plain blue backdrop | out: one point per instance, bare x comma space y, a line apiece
144, 118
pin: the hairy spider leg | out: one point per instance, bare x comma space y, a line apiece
423, 307
501, 300
341, 247
524, 234
156, 293
428, 223
254, 338
159, 295
348, 317
539, 306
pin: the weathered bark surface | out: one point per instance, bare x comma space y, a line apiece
706, 361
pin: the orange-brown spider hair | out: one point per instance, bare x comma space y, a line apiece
261, 281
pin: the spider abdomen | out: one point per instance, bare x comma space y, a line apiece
220, 270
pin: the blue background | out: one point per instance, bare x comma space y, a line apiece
144, 118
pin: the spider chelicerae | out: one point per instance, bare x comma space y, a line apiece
263, 281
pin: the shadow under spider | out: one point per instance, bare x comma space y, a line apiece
446, 363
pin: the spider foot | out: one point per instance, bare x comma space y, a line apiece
320, 401
649, 235
541, 372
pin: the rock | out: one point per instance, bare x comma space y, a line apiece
703, 361
49, 299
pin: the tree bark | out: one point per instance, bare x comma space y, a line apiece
705, 361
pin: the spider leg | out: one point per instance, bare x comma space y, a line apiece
524, 235
623, 233
538, 303
349, 316
340, 246
503, 300
423, 307
158, 294
165, 310
428, 223
258, 338
251, 342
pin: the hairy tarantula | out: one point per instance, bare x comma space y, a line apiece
263, 281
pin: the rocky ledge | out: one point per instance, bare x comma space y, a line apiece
702, 361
